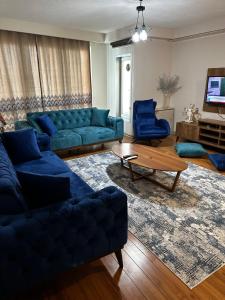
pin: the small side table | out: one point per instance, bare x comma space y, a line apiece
187, 131
168, 114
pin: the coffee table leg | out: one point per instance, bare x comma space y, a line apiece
121, 162
131, 171
175, 181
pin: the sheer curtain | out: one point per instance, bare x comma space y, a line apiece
42, 73
64, 72
19, 76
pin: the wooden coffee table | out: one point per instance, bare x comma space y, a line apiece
151, 158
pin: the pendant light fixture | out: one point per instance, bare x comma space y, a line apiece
140, 33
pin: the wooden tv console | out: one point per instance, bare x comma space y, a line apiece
206, 131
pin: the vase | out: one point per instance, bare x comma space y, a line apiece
166, 101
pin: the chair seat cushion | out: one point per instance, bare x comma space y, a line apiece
152, 129
49, 164
65, 138
190, 150
43, 190
94, 134
46, 124
17, 146
218, 160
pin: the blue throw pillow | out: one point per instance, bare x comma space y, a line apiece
43, 190
99, 117
21, 145
46, 124
190, 150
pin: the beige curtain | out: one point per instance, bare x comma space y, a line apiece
19, 76
65, 72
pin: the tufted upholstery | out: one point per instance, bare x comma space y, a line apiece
34, 248
36, 245
66, 119
74, 128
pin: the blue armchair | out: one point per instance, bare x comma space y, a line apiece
146, 125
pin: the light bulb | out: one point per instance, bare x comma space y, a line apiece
143, 34
136, 37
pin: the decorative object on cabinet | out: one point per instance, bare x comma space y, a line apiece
168, 85
191, 113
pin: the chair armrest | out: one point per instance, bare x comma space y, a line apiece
34, 248
117, 124
164, 124
42, 138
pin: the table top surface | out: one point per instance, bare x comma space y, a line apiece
150, 157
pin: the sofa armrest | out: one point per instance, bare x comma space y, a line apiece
164, 124
22, 125
117, 124
36, 247
43, 141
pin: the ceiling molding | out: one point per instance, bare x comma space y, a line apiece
50, 30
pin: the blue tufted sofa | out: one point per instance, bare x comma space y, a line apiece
37, 244
74, 128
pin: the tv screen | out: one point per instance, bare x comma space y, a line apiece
215, 90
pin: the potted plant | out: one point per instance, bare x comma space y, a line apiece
168, 85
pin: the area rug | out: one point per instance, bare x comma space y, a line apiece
184, 229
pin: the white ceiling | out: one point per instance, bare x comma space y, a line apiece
105, 15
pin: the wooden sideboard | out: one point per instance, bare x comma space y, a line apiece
207, 131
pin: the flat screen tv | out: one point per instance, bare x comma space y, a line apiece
215, 90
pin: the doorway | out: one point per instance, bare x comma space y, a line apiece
124, 64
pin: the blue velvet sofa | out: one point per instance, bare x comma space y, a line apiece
75, 128
37, 244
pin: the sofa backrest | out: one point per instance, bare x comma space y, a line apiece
65, 119
11, 198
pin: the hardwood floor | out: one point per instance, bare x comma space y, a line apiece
143, 276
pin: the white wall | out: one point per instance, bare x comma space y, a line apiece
190, 60
149, 60
99, 74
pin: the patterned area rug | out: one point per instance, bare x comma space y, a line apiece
184, 229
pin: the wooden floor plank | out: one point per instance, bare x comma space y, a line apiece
128, 288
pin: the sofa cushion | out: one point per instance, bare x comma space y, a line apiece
18, 147
49, 164
99, 117
92, 134
46, 124
66, 119
43, 190
190, 150
66, 138
78, 187
11, 198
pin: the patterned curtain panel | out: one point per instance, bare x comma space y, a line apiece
65, 72
19, 76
